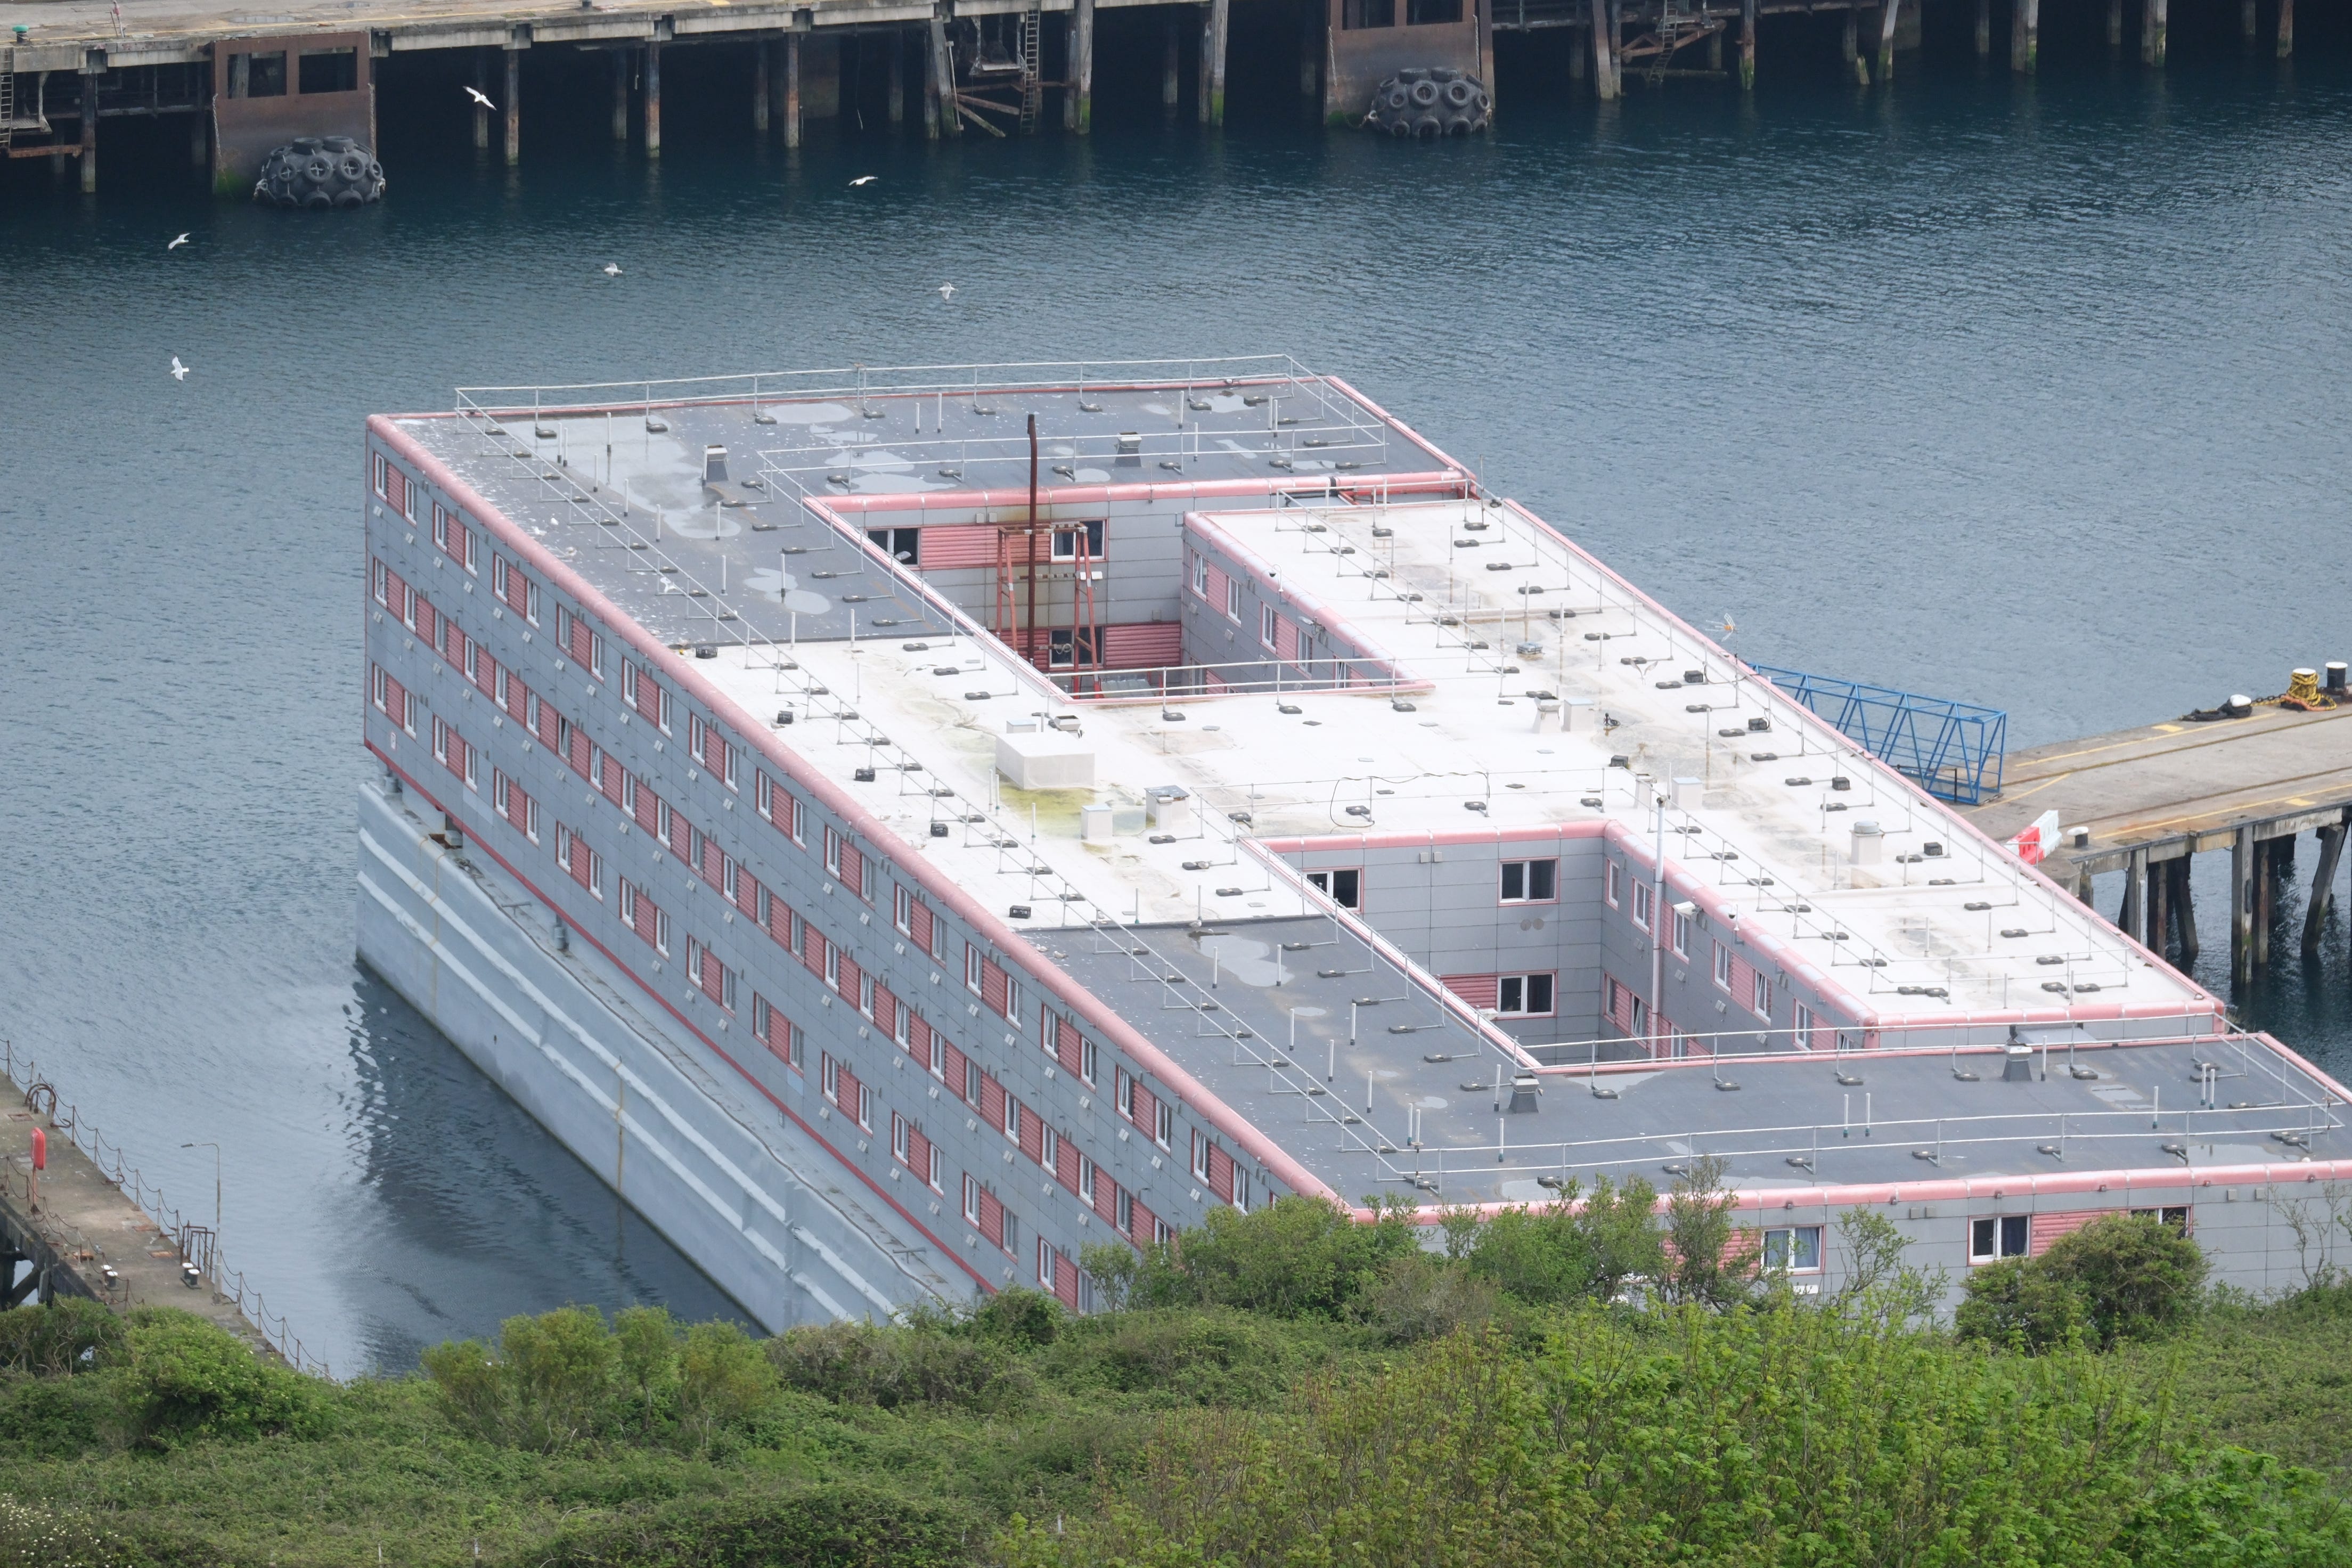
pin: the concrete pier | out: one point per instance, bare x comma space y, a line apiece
72, 1229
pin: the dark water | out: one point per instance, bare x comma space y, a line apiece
2030, 395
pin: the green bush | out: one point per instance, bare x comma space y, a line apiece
2123, 1277
839, 1525
925, 1364
35, 1537
186, 1378
69, 1335
1295, 1258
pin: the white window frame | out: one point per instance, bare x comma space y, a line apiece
1269, 627
1527, 985
1200, 1158
1609, 884
1681, 938
1527, 869
1801, 1027
1759, 997
1997, 1228
1325, 881
1049, 1146
1011, 1121
975, 969
1045, 1260
1723, 966
1234, 599
1788, 1241
1645, 904
1200, 574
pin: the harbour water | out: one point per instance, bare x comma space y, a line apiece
2025, 392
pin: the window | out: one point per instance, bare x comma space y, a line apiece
972, 1081
716, 981
1200, 1158
1122, 1093
974, 968
258, 76
1200, 574
1123, 1208
1346, 887
1759, 999
1269, 626
1524, 995
647, 695
1068, 646
902, 910
970, 1201
1013, 1119
2177, 1218
778, 1034
829, 1076
517, 807
1645, 904
1999, 1236
1233, 598
1427, 13
1090, 1061
1046, 1262
1086, 1174
1241, 1190
1802, 1027
781, 806
899, 1141
390, 697
1609, 883
1049, 1147
645, 917
1723, 966
1355, 13
904, 545
1682, 934
1065, 541
1164, 1115
327, 70
450, 750
587, 868
451, 534
1534, 881
1795, 1250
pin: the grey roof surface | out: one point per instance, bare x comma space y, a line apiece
1905, 1117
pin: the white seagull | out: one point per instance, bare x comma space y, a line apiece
612, 269
865, 180
947, 291
479, 96
179, 371
177, 243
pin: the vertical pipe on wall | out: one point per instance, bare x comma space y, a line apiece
1213, 41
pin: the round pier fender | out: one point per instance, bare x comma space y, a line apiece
1430, 103
319, 172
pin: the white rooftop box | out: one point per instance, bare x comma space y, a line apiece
1045, 760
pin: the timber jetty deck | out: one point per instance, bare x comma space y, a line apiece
75, 1230
2142, 801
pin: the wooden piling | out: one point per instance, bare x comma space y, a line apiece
1850, 48
1889, 14
2151, 32
930, 91
2158, 880
760, 87
482, 86
2246, 29
653, 98
943, 72
1580, 51
1747, 45
2184, 908
791, 89
1170, 74
620, 96
2287, 29
513, 100
2322, 888
2241, 905
2115, 26
1214, 43
2024, 36
1604, 64
1715, 50
1082, 70
1984, 29
2134, 918
898, 77
1311, 53
88, 132
199, 143
2265, 898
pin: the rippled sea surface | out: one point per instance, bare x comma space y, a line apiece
2030, 395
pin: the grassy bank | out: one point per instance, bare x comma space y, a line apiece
1278, 1389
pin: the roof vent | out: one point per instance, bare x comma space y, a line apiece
714, 464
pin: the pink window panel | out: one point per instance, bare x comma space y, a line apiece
1146, 647
853, 868
1221, 1172
517, 590
779, 1037
582, 638
714, 866
922, 925
1743, 980
852, 1095
1033, 1136
991, 1101
780, 922
1286, 637
2049, 1227
850, 976
453, 643
918, 1153
486, 675
517, 698
1478, 990
812, 946
611, 782
396, 702
954, 1067
550, 727
1065, 1281
428, 629
1147, 1107
1620, 1005
395, 489
648, 921
584, 861
713, 977
581, 753
994, 987
648, 810
885, 1011
958, 545
1145, 1221
649, 695
992, 1217
747, 893
1217, 581
1067, 1049
681, 837
1066, 1166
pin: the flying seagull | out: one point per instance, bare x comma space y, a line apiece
177, 243
179, 371
479, 96
612, 269
864, 179
947, 292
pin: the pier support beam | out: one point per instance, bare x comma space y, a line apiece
88, 132
1747, 45
2134, 919
2115, 26
2158, 881
621, 96
653, 98
1850, 50
1889, 14
199, 141
2184, 908
482, 86
1984, 29
2247, 30
2241, 905
1082, 64
1579, 54
1715, 50
2024, 36
2287, 29
2151, 32
1214, 27
791, 89
1604, 60
943, 73
930, 92
2322, 888
2266, 881
1170, 82
513, 100
760, 87
1310, 55
898, 77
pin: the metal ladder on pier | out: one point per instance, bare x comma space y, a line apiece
1673, 21
1032, 92
7, 97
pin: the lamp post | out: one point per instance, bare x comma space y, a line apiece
216, 1184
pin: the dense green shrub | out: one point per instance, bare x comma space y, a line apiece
922, 1363
32, 1536
838, 1525
70, 1334
2122, 1277
186, 1378
1295, 1258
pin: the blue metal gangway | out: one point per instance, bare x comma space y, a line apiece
1952, 749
